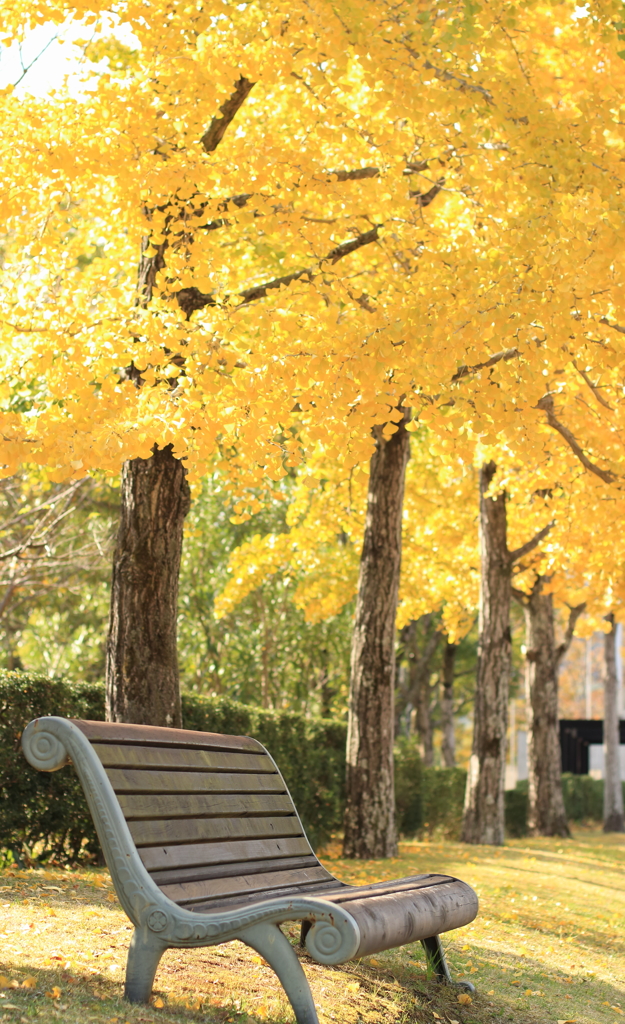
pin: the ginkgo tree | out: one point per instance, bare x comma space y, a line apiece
256, 228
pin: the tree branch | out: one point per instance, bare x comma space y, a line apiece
593, 387
229, 108
546, 404
525, 549
191, 299
464, 371
615, 327
356, 175
574, 614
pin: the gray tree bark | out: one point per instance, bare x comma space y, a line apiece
546, 814
370, 801
448, 749
484, 800
612, 789
142, 683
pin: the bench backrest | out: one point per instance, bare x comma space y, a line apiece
210, 815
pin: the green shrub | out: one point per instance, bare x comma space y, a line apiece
583, 797
516, 802
408, 786
48, 810
443, 800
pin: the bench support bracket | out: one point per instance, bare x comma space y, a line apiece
143, 958
273, 945
436, 961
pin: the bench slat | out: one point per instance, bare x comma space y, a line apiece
134, 780
321, 889
192, 892
233, 870
213, 805
197, 830
114, 755
157, 858
118, 732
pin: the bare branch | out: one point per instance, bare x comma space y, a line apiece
593, 387
464, 85
465, 371
615, 327
574, 614
26, 68
192, 299
356, 175
425, 198
546, 404
530, 545
218, 126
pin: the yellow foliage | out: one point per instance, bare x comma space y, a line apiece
472, 157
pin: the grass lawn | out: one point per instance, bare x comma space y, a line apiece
548, 946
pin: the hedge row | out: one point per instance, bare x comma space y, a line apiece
49, 810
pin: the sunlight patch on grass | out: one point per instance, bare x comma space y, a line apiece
548, 946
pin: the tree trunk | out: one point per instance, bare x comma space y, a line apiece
420, 688
612, 788
142, 684
448, 749
370, 802
546, 814
484, 801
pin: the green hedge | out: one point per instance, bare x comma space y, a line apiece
46, 808
49, 809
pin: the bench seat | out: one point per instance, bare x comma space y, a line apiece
204, 845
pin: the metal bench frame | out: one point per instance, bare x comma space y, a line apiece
330, 933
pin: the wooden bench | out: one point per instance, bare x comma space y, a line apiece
204, 845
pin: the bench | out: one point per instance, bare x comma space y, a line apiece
204, 845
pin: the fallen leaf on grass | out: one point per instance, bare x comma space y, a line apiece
55, 992
10, 1006
4, 981
112, 898
354, 986
261, 1011
572, 1021
465, 999
29, 982
158, 1003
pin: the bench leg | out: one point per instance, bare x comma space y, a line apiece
436, 960
268, 940
143, 957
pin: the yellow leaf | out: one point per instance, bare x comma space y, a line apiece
29, 982
257, 959
4, 981
465, 999
261, 1011
54, 993
376, 963
354, 986
158, 1003
112, 898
